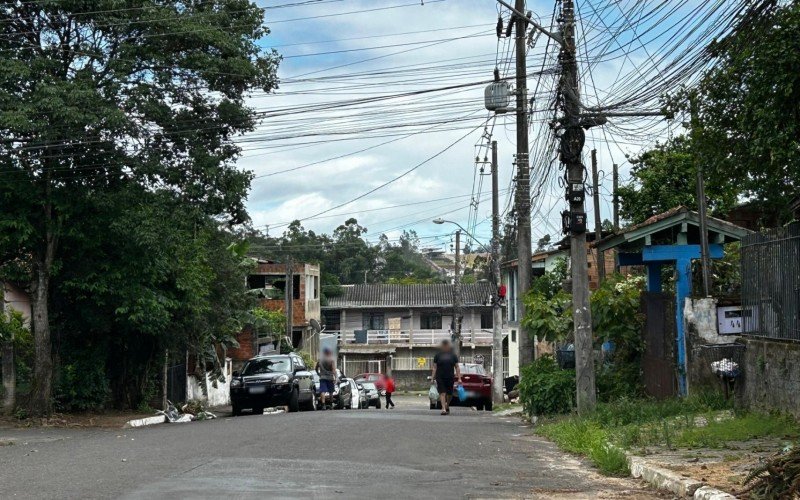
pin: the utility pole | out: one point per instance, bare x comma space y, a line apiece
572, 142
289, 301
457, 307
616, 197
701, 202
598, 224
523, 199
497, 312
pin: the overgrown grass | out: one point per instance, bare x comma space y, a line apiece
702, 421
505, 406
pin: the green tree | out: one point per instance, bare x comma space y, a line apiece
666, 177
744, 116
95, 98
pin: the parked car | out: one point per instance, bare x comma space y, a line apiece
379, 379
274, 380
372, 395
478, 386
349, 395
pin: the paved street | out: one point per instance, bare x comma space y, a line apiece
409, 452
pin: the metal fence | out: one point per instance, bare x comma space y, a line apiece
771, 283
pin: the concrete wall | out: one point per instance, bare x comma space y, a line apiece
16, 299
704, 345
771, 376
411, 380
214, 396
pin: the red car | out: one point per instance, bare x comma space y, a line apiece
379, 379
478, 386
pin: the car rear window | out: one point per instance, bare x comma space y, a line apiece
473, 369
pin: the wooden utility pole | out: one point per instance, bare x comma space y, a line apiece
497, 311
598, 223
704, 254
572, 142
523, 198
457, 306
616, 197
289, 301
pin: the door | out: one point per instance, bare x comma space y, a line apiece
658, 360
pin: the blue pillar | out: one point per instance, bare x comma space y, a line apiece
654, 276
683, 289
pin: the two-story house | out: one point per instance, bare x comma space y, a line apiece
268, 280
392, 328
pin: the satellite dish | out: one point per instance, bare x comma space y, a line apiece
315, 325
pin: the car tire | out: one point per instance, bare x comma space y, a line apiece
294, 401
378, 405
488, 405
258, 411
236, 410
433, 406
479, 406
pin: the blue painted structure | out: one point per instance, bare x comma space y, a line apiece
673, 231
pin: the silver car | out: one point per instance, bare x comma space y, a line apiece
372, 395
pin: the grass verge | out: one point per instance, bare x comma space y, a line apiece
704, 421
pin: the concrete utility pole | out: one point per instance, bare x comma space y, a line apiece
572, 142
523, 199
497, 311
598, 223
616, 197
457, 307
289, 301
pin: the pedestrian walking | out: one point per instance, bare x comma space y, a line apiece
326, 369
445, 374
389, 390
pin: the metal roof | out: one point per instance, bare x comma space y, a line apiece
405, 296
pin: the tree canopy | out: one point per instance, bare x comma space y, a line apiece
104, 110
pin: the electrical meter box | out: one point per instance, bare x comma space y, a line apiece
576, 192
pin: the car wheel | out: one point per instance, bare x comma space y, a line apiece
479, 406
488, 405
236, 410
258, 411
378, 405
433, 406
294, 401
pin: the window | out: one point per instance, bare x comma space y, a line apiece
332, 320
487, 319
513, 335
372, 321
298, 363
430, 321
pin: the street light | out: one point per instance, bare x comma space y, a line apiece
441, 221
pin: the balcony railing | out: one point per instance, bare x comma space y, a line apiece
414, 337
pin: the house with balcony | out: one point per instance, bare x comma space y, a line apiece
393, 328
269, 282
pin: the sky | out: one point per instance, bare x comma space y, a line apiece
311, 161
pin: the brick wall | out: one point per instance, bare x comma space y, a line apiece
246, 349
592, 258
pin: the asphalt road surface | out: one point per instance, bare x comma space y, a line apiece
408, 452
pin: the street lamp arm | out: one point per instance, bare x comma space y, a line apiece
442, 221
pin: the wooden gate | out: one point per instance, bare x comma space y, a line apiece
659, 334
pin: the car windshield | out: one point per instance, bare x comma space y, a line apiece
472, 369
368, 386
272, 364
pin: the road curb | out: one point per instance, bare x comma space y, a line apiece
142, 422
709, 493
665, 479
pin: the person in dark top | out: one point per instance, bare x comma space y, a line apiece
326, 369
445, 374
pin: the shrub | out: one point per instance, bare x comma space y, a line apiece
545, 389
83, 385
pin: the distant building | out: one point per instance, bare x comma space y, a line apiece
268, 280
17, 299
396, 329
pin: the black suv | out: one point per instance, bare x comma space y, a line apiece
275, 380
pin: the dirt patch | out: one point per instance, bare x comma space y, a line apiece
110, 419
